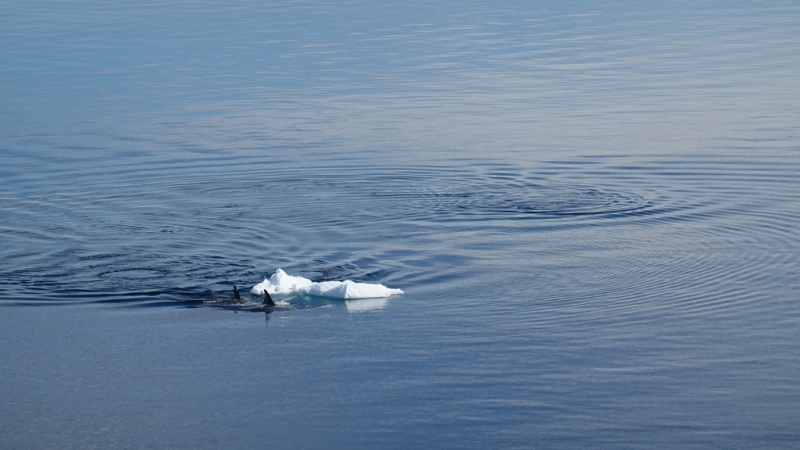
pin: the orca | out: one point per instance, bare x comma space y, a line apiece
237, 298
239, 304
267, 299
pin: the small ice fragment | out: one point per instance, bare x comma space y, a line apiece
281, 283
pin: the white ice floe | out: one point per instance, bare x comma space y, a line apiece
281, 283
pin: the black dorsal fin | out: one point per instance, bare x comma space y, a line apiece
236, 295
267, 299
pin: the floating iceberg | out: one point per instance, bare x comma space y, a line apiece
281, 283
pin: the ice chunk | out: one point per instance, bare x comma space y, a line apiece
281, 283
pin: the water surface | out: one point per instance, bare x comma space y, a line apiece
592, 210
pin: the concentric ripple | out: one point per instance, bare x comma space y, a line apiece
543, 201
183, 239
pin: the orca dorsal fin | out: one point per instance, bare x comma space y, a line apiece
267, 299
236, 295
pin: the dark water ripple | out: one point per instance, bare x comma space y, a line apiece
179, 240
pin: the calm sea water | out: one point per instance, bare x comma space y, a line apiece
592, 209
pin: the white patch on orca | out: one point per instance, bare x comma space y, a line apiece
281, 283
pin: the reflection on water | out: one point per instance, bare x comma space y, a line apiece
365, 304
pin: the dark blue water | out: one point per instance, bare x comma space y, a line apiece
592, 209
